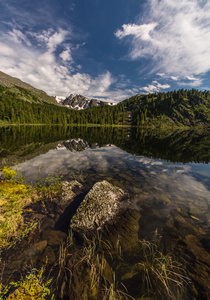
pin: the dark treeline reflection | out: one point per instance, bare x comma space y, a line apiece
176, 146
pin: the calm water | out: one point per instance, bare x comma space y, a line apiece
167, 174
154, 166
147, 163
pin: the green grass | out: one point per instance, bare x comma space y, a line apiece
30, 288
13, 198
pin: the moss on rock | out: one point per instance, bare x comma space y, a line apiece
99, 206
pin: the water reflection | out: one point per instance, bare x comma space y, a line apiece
166, 173
175, 146
145, 178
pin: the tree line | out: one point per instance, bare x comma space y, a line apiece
13, 109
182, 107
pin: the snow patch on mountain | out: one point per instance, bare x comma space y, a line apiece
80, 102
59, 99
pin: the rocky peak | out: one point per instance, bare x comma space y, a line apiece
76, 101
81, 102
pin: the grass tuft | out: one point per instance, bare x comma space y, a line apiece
31, 287
162, 275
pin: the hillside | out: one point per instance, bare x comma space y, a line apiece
20, 103
182, 107
9, 84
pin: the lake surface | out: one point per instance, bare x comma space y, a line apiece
170, 165
167, 174
134, 158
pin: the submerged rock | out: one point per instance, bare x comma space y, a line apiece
54, 237
69, 190
35, 249
99, 206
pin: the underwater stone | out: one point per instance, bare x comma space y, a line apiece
54, 237
35, 249
69, 191
48, 257
99, 206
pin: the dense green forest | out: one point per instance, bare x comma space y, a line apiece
176, 108
182, 107
15, 110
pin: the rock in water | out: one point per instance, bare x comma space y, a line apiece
99, 206
69, 190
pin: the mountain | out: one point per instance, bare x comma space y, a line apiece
23, 90
80, 102
20, 103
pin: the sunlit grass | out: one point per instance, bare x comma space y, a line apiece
31, 287
13, 198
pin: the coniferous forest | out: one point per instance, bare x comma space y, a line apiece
175, 108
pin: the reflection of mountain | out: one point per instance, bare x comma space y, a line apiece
77, 145
177, 146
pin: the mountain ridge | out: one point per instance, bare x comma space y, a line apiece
20, 103
80, 102
18, 86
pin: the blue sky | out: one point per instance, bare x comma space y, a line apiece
106, 49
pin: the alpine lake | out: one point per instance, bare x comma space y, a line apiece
166, 174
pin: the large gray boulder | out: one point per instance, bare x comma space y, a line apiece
99, 206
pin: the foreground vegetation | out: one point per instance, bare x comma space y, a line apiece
14, 197
31, 287
94, 268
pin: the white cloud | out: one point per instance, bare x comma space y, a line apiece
155, 87
17, 36
174, 78
191, 81
140, 31
175, 35
56, 39
6, 50
46, 61
66, 54
40, 67
49, 38
161, 74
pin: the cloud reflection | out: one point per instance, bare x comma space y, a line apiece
146, 177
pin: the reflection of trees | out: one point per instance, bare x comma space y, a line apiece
177, 146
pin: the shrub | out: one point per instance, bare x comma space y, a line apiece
8, 173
